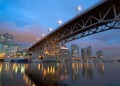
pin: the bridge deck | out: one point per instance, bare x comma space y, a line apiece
92, 10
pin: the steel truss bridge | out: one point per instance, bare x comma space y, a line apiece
100, 17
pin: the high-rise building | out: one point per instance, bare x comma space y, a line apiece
6, 38
89, 51
75, 51
99, 54
7, 46
64, 52
86, 52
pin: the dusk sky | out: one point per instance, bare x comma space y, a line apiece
27, 20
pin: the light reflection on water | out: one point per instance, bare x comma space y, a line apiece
60, 74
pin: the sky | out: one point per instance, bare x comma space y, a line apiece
27, 20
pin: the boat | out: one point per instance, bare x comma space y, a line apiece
23, 60
14, 60
7, 60
20, 60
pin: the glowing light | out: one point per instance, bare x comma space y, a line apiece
43, 35
42, 67
5, 46
38, 39
65, 48
50, 29
38, 66
48, 70
24, 53
33, 84
11, 54
45, 72
2, 55
59, 22
0, 68
16, 69
14, 65
6, 67
25, 78
46, 52
65, 70
51, 69
79, 8
22, 69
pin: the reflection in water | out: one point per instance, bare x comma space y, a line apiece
43, 74
52, 74
12, 74
88, 70
101, 68
58, 74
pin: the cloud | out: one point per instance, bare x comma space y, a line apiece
107, 41
111, 35
25, 12
28, 33
109, 49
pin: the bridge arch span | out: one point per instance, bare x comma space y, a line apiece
101, 17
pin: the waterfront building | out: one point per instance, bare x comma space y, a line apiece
6, 38
86, 52
75, 51
99, 54
64, 52
7, 46
89, 51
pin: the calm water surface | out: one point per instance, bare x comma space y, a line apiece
60, 74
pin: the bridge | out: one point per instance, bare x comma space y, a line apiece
100, 17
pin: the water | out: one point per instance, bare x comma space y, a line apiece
60, 74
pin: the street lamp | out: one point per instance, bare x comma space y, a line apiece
79, 8
59, 22
50, 29
42, 35
38, 39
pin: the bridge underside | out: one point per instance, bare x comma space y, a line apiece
103, 17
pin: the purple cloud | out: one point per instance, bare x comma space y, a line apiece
29, 33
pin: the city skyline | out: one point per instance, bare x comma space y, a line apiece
29, 20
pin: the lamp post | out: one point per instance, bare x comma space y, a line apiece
79, 8
42, 35
59, 22
38, 39
50, 29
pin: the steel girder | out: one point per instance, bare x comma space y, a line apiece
98, 21
108, 26
104, 18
